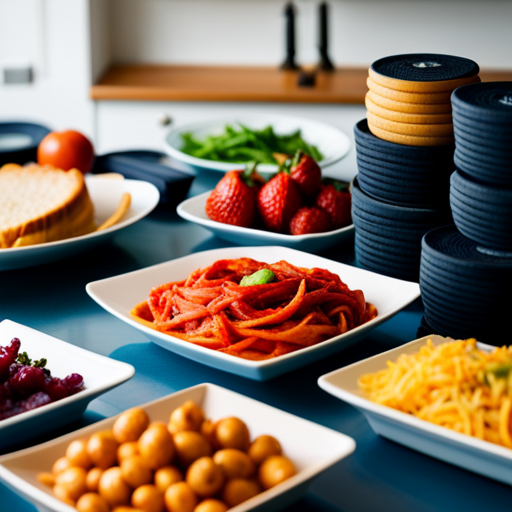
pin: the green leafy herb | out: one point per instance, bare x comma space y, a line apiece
241, 145
25, 360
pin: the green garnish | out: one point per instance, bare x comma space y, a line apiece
245, 145
500, 371
262, 276
25, 360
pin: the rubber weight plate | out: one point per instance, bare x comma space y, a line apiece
423, 197
425, 67
409, 108
397, 214
431, 98
402, 117
449, 249
484, 173
409, 177
485, 196
409, 140
489, 101
427, 165
493, 127
487, 279
417, 130
365, 137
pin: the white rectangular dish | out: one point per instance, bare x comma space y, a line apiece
467, 452
100, 374
119, 294
193, 210
324, 447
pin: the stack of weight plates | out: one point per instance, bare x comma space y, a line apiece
409, 98
465, 289
388, 236
482, 120
404, 154
403, 175
481, 189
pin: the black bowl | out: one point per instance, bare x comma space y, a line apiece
19, 142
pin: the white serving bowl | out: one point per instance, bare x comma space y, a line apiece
105, 195
324, 447
331, 142
119, 294
100, 374
193, 210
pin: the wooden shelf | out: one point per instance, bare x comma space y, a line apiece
230, 83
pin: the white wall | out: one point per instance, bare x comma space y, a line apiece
53, 37
252, 31
70, 43
100, 23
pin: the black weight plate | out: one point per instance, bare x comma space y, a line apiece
490, 101
425, 67
483, 174
434, 162
420, 197
365, 137
395, 232
487, 195
410, 173
452, 250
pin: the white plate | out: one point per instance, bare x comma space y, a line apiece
193, 209
105, 195
323, 448
442, 443
331, 142
118, 295
100, 374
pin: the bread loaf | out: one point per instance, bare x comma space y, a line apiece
41, 204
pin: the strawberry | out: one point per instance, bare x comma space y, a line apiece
306, 173
334, 197
310, 219
233, 200
278, 201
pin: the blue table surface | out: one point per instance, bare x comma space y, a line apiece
379, 476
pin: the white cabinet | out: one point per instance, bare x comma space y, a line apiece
138, 125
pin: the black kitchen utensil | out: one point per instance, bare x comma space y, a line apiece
145, 165
325, 63
289, 62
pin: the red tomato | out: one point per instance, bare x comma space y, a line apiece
66, 150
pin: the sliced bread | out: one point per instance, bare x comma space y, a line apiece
40, 204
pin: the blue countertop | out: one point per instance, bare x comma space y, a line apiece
379, 476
